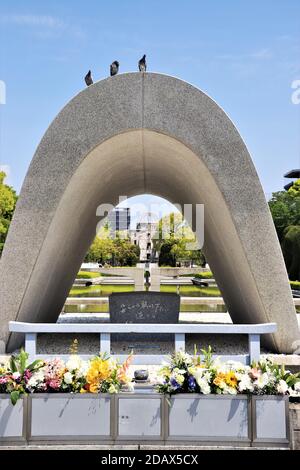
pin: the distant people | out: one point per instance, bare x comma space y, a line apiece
143, 64
88, 78
114, 68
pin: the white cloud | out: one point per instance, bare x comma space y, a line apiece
2, 92
33, 20
264, 53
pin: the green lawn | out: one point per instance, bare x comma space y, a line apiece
87, 275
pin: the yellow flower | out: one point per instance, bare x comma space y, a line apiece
231, 379
83, 390
98, 371
179, 378
164, 371
219, 381
93, 387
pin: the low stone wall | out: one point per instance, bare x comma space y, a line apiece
295, 425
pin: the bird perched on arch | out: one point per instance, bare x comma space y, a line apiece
88, 78
114, 68
143, 64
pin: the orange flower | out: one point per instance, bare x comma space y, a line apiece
220, 379
98, 371
93, 387
123, 371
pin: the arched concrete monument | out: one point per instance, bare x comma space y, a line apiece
143, 133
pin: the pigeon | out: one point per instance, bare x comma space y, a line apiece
143, 64
114, 68
88, 79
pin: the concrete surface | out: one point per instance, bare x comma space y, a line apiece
143, 133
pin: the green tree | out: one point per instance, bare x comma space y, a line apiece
125, 253
102, 248
291, 251
174, 239
166, 257
8, 199
285, 209
119, 250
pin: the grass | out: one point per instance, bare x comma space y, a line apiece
205, 275
87, 275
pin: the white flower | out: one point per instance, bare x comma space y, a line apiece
74, 362
16, 375
207, 376
36, 379
179, 371
262, 380
204, 386
68, 378
130, 387
229, 390
112, 389
182, 356
32, 382
245, 383
198, 374
282, 387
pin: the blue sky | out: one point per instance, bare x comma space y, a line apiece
243, 54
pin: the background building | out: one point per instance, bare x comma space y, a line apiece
119, 219
293, 174
142, 236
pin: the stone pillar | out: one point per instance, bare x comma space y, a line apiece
295, 425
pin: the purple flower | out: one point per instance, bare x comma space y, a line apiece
174, 384
191, 383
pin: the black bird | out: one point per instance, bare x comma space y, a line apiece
114, 68
88, 78
143, 64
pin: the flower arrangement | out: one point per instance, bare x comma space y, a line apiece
185, 373
101, 374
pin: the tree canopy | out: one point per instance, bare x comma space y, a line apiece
176, 242
285, 210
118, 251
8, 199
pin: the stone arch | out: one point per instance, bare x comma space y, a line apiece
143, 133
